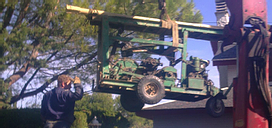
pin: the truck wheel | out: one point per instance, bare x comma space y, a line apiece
215, 107
150, 89
131, 102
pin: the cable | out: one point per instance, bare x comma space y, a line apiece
259, 63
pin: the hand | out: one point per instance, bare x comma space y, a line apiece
77, 80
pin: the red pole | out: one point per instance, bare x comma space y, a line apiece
250, 108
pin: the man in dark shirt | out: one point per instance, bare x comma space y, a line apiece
58, 104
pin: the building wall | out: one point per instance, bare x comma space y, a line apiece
187, 120
223, 76
232, 73
227, 73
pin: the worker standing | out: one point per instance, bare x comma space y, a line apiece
58, 104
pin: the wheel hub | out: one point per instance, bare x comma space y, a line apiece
151, 90
217, 106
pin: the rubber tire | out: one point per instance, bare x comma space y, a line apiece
214, 110
157, 83
131, 102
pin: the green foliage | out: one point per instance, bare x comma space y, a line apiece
109, 112
38, 39
139, 122
103, 106
188, 13
81, 120
31, 118
20, 118
134, 120
28, 118
86, 109
5, 95
83, 105
102, 103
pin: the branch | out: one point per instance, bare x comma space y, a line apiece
22, 14
25, 68
2, 6
29, 80
20, 74
17, 75
45, 85
7, 18
49, 16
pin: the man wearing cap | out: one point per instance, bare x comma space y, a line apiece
58, 104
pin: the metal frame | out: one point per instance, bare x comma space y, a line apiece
108, 21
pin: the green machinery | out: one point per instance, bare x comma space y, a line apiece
141, 81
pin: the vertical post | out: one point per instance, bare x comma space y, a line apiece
105, 42
161, 37
250, 110
99, 75
184, 55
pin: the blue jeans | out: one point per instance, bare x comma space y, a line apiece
57, 124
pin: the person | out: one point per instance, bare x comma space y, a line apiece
57, 108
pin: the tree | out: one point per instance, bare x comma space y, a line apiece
134, 120
109, 112
102, 106
40, 41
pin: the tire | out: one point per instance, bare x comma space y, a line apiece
130, 102
150, 90
215, 107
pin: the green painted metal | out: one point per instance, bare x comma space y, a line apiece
145, 25
186, 91
117, 69
118, 83
181, 25
170, 76
196, 63
145, 41
201, 29
118, 75
169, 69
105, 44
195, 83
184, 55
214, 90
168, 83
137, 76
125, 69
125, 73
134, 22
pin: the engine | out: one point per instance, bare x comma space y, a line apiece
149, 66
196, 68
